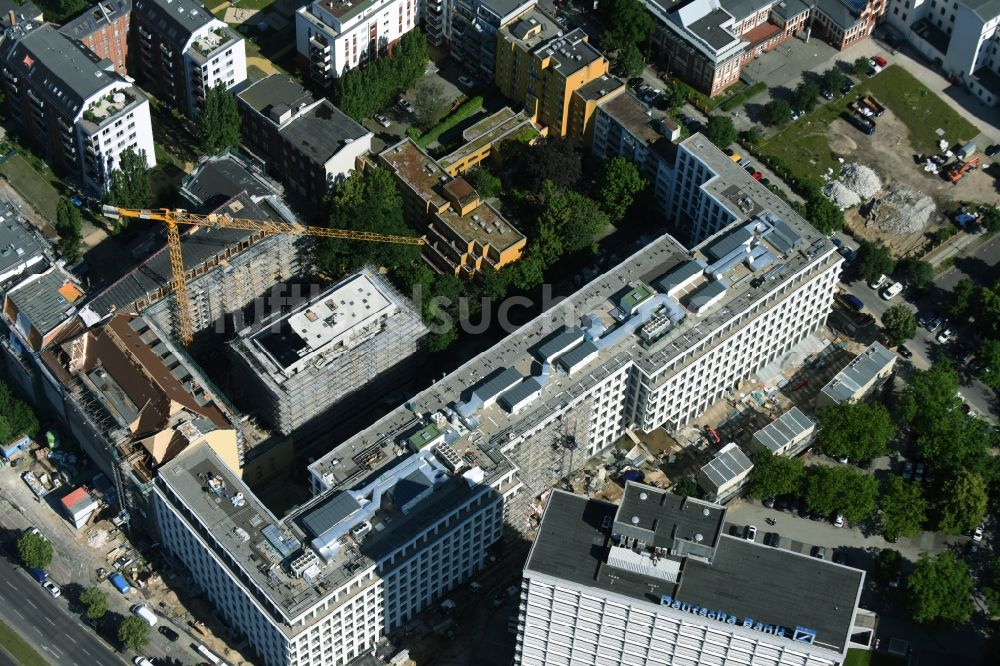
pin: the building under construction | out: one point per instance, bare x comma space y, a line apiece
227, 269
328, 356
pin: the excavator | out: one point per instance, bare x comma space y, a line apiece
959, 169
174, 217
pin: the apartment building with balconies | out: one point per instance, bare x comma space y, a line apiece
72, 106
335, 35
179, 51
470, 27
103, 28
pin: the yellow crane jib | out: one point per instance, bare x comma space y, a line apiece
173, 217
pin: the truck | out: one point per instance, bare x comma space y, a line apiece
119, 582
866, 125
860, 106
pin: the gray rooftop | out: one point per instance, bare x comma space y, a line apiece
668, 517
741, 9
986, 9
709, 29
565, 338
504, 8
274, 95
511, 397
786, 428
787, 9
322, 132
329, 513
859, 373
20, 243
839, 12
42, 299
746, 579
95, 17
176, 20
577, 355
728, 464
599, 88
26, 11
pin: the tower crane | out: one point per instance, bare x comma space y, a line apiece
174, 217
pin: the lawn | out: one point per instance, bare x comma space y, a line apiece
804, 147
32, 185
859, 657
18, 649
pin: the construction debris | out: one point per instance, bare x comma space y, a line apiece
842, 196
861, 179
901, 211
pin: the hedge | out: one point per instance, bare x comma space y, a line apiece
468, 107
741, 97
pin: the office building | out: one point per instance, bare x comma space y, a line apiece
309, 144
656, 580
41, 306
326, 358
464, 234
103, 28
23, 249
961, 37
179, 51
470, 27
788, 435
69, 105
228, 268
543, 69
726, 474
332, 36
861, 376
708, 42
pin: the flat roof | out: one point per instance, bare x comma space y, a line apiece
277, 93
709, 28
177, 20
729, 463
746, 579
600, 87
483, 225
868, 365
322, 132
786, 428
491, 129
48, 299
418, 170
20, 242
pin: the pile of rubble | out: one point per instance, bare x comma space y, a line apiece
842, 196
861, 180
901, 211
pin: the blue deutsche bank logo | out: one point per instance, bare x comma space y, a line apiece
804, 635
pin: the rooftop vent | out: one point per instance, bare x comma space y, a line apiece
698, 537
705, 511
643, 496
635, 520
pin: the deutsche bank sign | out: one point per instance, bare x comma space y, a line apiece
799, 634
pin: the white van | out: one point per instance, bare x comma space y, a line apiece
875, 284
143, 611
892, 291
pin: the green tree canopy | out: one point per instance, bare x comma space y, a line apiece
987, 311
752, 136
991, 220
915, 272
685, 487
962, 297
824, 214
775, 475
674, 96
96, 601
940, 590
833, 79
845, 490
34, 550
804, 97
720, 131
69, 224
571, 217
626, 22
904, 508
363, 91
961, 504
133, 633
777, 112
630, 62
429, 103
619, 184
556, 159
486, 182
16, 417
899, 323
988, 358
874, 259
859, 430
860, 66
218, 121
888, 565
130, 184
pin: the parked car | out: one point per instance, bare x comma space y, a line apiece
877, 284
757, 175
143, 612
405, 106
729, 152
827, 95
847, 87
142, 661
772, 539
908, 470
892, 291
856, 303
918, 474
935, 324
945, 335
992, 150
838, 521
52, 588
880, 61
977, 535
381, 120
170, 634
925, 319
769, 502
751, 533
37, 574
819, 552
904, 352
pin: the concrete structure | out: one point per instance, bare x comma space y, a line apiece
23, 250
961, 37
726, 474
788, 435
41, 306
228, 269
79, 506
483, 137
652, 343
859, 378
470, 27
327, 357
103, 28
464, 234
335, 35
309, 144
543, 69
71, 106
179, 51
656, 581
707, 42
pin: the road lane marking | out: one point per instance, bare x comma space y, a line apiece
49, 620
31, 603
18, 613
10, 585
71, 638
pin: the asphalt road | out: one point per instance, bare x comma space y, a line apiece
46, 624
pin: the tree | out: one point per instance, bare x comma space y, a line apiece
752, 136
96, 601
961, 298
874, 260
133, 633
833, 79
620, 183
987, 311
486, 182
988, 358
69, 224
804, 96
573, 219
860, 66
775, 475
429, 103
940, 590
685, 487
858, 430
899, 323
720, 131
888, 565
219, 121
130, 183
962, 502
843, 490
362, 91
904, 508
777, 112
673, 97
915, 272
991, 220
16, 417
630, 62
557, 159
824, 214
626, 22
34, 550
